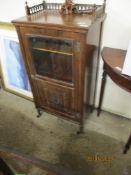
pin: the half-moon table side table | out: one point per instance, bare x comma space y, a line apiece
113, 62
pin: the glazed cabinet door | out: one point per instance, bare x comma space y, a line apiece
54, 65
51, 58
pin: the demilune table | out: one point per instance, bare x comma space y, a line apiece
113, 63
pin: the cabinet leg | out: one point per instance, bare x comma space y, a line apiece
92, 108
127, 146
101, 92
81, 129
39, 112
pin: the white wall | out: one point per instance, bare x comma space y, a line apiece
117, 32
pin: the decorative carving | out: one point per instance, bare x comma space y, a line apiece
55, 98
35, 8
67, 7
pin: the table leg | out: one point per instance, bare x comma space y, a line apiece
0, 82
102, 91
127, 146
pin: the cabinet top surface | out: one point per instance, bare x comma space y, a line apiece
77, 21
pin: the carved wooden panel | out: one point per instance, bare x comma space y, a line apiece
55, 96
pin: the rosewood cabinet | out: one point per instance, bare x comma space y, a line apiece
61, 56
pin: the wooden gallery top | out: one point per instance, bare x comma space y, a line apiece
61, 54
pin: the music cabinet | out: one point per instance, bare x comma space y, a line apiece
61, 56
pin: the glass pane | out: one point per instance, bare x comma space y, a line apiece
51, 44
52, 57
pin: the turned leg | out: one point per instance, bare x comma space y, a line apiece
92, 108
39, 112
101, 92
0, 82
81, 128
127, 145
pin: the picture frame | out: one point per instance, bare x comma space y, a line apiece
13, 72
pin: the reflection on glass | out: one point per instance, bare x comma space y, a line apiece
51, 44
52, 57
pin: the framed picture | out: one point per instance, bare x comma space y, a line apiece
13, 71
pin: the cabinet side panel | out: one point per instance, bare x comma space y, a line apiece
93, 41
